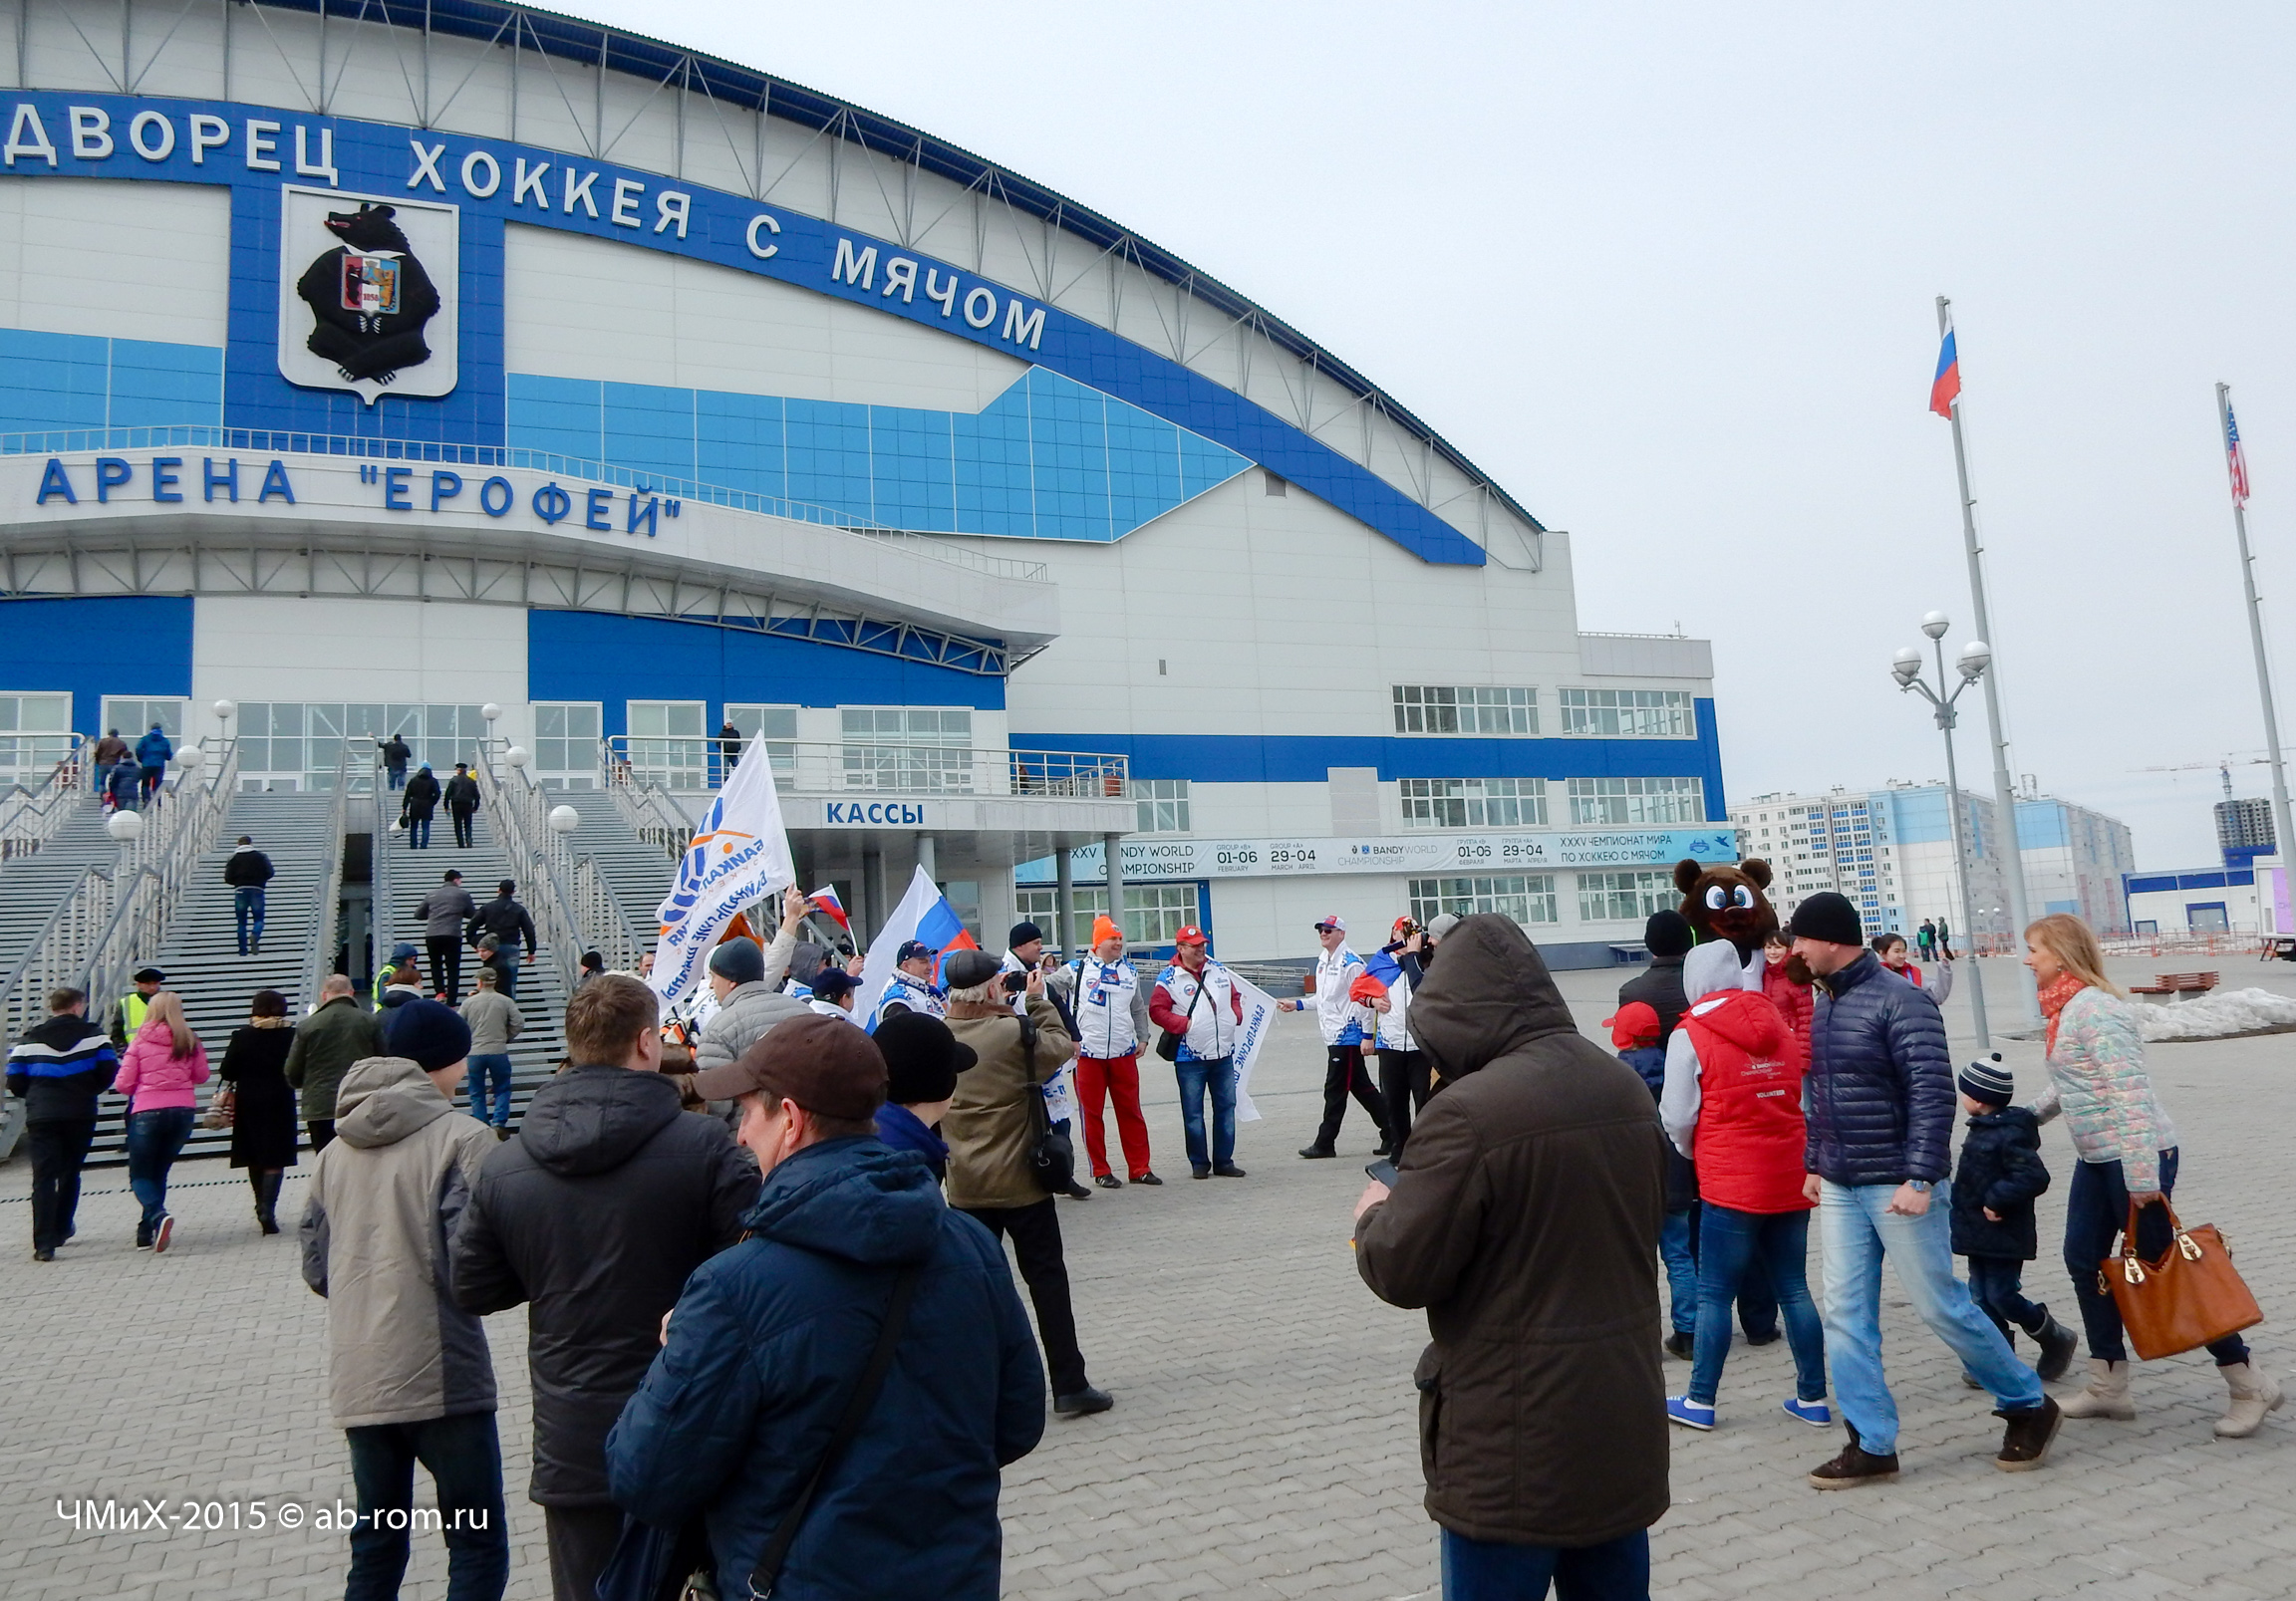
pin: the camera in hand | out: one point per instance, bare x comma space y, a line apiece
1014, 983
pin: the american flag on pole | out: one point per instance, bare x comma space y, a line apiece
2233, 458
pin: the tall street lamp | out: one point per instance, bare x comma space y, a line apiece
1975, 658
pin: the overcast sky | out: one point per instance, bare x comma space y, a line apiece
1667, 273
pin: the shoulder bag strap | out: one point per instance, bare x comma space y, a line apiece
767, 1572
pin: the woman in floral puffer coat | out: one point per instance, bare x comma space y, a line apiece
2128, 1150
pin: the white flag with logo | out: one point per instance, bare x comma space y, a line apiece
740, 855
1259, 1018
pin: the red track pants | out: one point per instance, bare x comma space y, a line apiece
1114, 1078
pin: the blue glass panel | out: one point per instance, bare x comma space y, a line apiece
561, 414
650, 428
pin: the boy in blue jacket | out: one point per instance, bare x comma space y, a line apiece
1636, 1031
1995, 1182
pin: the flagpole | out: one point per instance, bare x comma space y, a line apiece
2004, 794
2283, 837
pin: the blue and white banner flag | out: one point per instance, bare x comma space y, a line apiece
1259, 1018
740, 855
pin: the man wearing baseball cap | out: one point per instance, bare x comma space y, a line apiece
1196, 999
771, 1338
911, 987
1341, 1018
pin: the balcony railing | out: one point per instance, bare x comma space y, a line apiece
864, 767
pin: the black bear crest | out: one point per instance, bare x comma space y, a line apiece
370, 295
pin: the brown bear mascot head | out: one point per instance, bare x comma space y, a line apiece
1726, 903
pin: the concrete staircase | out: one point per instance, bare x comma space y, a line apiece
534, 1054
200, 954
31, 885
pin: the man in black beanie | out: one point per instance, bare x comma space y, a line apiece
921, 1061
1880, 1103
1668, 937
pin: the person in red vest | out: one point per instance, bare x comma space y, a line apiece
1732, 1102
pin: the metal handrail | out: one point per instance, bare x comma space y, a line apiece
865, 767
538, 858
652, 815
382, 905
606, 922
320, 945
131, 935
29, 818
58, 954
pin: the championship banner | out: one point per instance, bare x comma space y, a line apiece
1259, 1017
741, 854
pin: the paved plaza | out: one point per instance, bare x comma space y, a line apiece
1263, 1441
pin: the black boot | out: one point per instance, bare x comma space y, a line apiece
268, 1203
2058, 1345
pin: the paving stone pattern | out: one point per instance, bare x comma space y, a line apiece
1264, 1439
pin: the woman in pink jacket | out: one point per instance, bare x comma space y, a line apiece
164, 1065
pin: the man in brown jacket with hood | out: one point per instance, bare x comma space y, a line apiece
1525, 1218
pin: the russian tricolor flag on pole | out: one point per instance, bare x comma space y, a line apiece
924, 914
825, 899
1946, 385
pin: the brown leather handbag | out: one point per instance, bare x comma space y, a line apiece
2187, 1299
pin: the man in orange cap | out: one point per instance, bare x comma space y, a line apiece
1105, 996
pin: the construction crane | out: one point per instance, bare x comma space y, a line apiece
2223, 765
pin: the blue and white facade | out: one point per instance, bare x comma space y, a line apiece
361, 369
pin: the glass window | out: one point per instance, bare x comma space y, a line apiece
133, 718
29, 760
1526, 898
1629, 714
566, 743
1153, 913
1626, 896
1163, 805
914, 750
667, 744
1422, 709
1638, 802
775, 726
1474, 802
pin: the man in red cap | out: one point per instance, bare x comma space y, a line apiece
1196, 999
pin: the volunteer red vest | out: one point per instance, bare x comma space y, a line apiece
1749, 1144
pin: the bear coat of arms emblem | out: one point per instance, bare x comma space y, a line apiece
370, 295
359, 306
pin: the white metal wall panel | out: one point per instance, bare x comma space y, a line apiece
74, 260
595, 309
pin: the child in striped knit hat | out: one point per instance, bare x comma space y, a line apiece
1995, 1181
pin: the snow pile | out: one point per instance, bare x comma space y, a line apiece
2217, 1014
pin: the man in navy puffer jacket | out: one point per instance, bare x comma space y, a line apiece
771, 1337
1879, 1111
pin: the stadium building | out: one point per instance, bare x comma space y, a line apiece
370, 366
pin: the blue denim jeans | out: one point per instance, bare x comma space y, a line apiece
418, 833
1220, 1077
1486, 1570
1859, 1231
1776, 1244
247, 913
486, 1068
464, 1457
1681, 1271
1997, 1285
155, 1140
